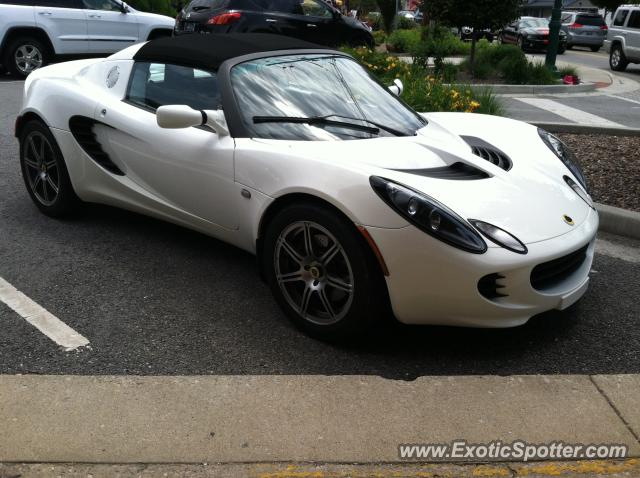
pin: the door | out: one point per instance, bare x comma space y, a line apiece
189, 169
110, 28
319, 23
633, 35
285, 17
66, 24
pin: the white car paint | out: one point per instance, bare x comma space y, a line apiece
195, 178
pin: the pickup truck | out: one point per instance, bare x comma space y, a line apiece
33, 32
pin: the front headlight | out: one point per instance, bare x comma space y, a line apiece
429, 215
564, 154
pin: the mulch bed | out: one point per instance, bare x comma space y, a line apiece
611, 165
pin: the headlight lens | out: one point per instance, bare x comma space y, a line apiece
500, 236
429, 215
564, 154
578, 190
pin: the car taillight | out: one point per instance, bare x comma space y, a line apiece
604, 27
224, 18
575, 26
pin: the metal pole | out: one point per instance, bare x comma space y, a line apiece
554, 35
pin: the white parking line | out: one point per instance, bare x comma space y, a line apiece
572, 114
40, 318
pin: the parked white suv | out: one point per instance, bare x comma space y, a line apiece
623, 37
33, 31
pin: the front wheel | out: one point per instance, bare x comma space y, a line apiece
521, 43
320, 271
617, 59
44, 171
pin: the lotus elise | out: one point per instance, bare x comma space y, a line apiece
355, 205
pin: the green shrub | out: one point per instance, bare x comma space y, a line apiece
514, 69
448, 72
379, 36
437, 43
401, 22
422, 91
568, 70
403, 41
539, 74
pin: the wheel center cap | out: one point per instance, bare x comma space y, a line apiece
315, 272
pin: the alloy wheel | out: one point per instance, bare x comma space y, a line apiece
28, 57
615, 57
41, 168
314, 273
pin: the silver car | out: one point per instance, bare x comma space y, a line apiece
623, 39
584, 29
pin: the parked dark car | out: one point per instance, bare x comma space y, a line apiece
531, 33
311, 20
466, 34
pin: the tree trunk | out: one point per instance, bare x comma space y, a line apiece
472, 55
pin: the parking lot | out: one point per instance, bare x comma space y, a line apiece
156, 299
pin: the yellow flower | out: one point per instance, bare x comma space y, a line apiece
475, 104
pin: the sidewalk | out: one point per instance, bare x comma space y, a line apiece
317, 419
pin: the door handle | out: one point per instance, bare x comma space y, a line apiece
44, 13
95, 15
271, 20
312, 25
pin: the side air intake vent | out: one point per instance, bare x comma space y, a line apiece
456, 171
82, 129
486, 151
489, 287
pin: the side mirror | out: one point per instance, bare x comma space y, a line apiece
397, 88
183, 116
124, 8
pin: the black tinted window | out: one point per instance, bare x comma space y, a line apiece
158, 84
285, 6
58, 3
203, 5
620, 18
591, 20
107, 5
634, 19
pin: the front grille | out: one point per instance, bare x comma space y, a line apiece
488, 286
552, 273
488, 152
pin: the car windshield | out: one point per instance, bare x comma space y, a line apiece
317, 97
535, 23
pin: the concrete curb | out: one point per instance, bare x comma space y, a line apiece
586, 129
537, 89
619, 221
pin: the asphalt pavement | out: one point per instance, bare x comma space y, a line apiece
156, 299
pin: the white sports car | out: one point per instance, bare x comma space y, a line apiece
354, 204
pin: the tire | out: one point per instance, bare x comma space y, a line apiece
521, 44
595, 49
349, 281
569, 47
24, 55
44, 170
561, 50
500, 39
617, 59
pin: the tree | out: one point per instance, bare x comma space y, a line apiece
477, 14
388, 13
164, 7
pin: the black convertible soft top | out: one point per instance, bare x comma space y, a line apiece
209, 51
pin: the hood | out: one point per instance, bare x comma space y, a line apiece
159, 20
529, 200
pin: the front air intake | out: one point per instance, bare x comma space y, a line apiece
489, 287
549, 274
488, 152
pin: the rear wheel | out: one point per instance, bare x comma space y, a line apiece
44, 171
617, 59
24, 55
321, 273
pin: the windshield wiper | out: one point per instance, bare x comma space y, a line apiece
388, 129
316, 120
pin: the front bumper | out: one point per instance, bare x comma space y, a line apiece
430, 282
